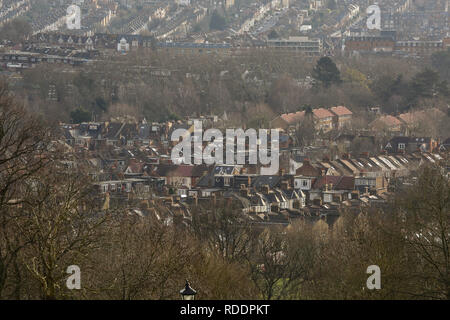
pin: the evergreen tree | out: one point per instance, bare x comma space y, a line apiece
80, 115
217, 21
326, 73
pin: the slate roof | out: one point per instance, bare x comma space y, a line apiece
446, 142
113, 130
308, 170
339, 182
271, 181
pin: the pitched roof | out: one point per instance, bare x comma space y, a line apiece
322, 113
308, 170
416, 116
388, 120
271, 181
409, 117
188, 171
113, 130
135, 166
340, 168
341, 111
183, 170
446, 142
292, 118
338, 182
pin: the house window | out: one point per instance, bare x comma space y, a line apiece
304, 183
401, 146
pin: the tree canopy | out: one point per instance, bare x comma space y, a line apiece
217, 22
80, 115
16, 30
326, 72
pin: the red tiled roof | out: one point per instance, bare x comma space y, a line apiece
291, 118
322, 113
388, 120
341, 111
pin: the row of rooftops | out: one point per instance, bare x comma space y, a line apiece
320, 113
409, 118
368, 166
332, 182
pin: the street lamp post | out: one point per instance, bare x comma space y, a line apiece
188, 293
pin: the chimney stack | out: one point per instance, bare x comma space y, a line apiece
243, 191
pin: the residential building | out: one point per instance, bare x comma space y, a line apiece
342, 116
306, 45
323, 119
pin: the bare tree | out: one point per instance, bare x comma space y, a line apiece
23, 143
61, 225
425, 211
224, 228
281, 262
